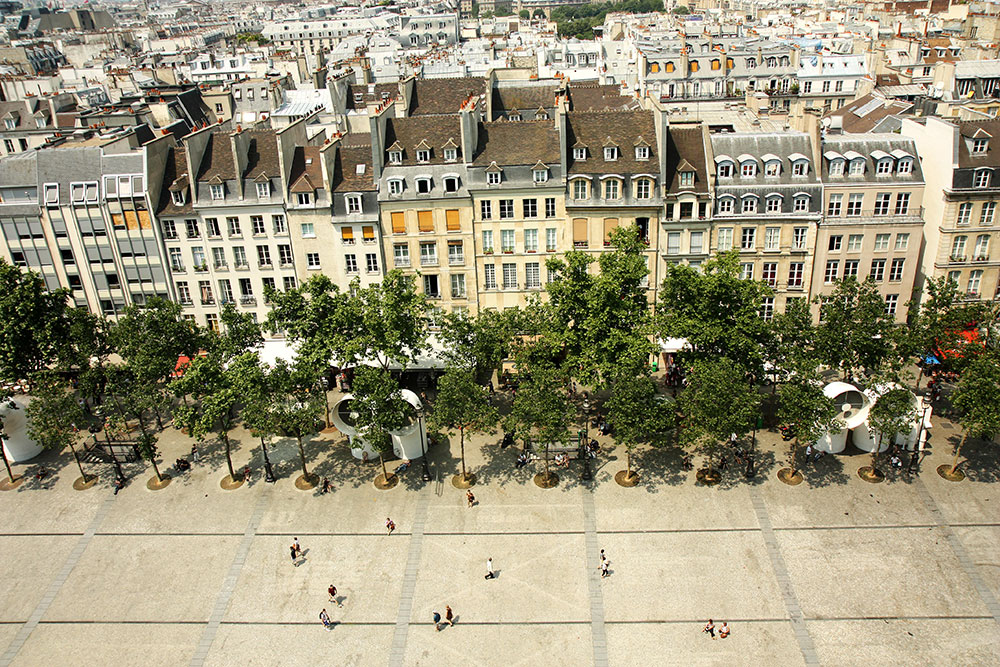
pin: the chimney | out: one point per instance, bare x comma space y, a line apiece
811, 123
469, 116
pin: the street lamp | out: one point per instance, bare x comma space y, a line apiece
268, 472
586, 475
423, 445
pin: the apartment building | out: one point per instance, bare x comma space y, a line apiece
961, 195
686, 221
28, 123
614, 177
768, 199
873, 189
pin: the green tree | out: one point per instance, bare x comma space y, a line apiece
131, 399
681, 10
854, 331
35, 323
257, 399
480, 342
716, 311
541, 412
88, 346
463, 405
790, 346
393, 321
943, 317
380, 409
977, 400
809, 412
297, 404
55, 417
240, 333
524, 14
637, 414
892, 413
149, 451
717, 402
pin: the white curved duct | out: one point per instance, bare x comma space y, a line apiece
407, 442
18, 446
853, 411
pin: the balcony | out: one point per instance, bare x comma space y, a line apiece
429, 261
456, 260
200, 268
177, 268
981, 258
580, 245
207, 300
221, 266
265, 265
957, 258
401, 262
241, 266
510, 286
248, 300
458, 294
186, 302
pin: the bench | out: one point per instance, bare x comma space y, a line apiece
573, 452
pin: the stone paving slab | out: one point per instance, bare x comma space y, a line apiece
489, 644
683, 644
982, 544
909, 643
970, 501
514, 508
152, 645
854, 503
877, 572
305, 645
366, 571
687, 576
141, 578
27, 565
41, 509
695, 508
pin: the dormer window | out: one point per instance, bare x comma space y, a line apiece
905, 166
982, 178
353, 203
514, 116
800, 166
304, 198
837, 167
540, 173
493, 177
451, 183
9, 123
771, 168
612, 189
642, 152
395, 157
263, 190
883, 167
748, 169
857, 167
395, 186
218, 191
423, 156
687, 179
541, 115
579, 153
725, 170
423, 185
450, 154
979, 145
178, 197
610, 153
40, 123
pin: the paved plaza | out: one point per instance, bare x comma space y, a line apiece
835, 571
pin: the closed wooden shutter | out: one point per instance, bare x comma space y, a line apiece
425, 221
347, 234
398, 223
579, 230
609, 224
451, 219
368, 233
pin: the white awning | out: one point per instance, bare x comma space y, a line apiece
722, 158
854, 155
879, 155
795, 157
833, 155
899, 153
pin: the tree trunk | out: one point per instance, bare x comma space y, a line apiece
920, 376
326, 404
302, 455
878, 446
954, 465
628, 462
78, 463
461, 440
546, 462
6, 463
152, 459
229, 455
791, 455
381, 460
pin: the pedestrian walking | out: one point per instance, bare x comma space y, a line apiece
710, 628
809, 452
914, 461
332, 590
437, 620
296, 546
470, 497
246, 473
449, 616
489, 568
724, 630
604, 569
295, 555
325, 618
389, 526
603, 557
194, 453
326, 486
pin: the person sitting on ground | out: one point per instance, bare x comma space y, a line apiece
724, 630
522, 460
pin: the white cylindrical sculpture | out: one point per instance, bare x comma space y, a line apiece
854, 407
909, 440
407, 442
18, 446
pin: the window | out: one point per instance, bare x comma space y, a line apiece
902, 203
178, 197
964, 213
896, 270
800, 168
696, 243
878, 270
431, 287
169, 230
854, 202
353, 203
772, 238
772, 168
458, 286
450, 154
529, 208
958, 248
486, 209
510, 276
881, 242
312, 260
902, 241
725, 241
854, 242
371, 262
423, 186
269, 285
826, 86
833, 207
883, 167
979, 146
981, 179
487, 240
263, 255
953, 277
891, 301
395, 186
308, 230
550, 207
975, 282
219, 258
263, 190
456, 253
428, 253
982, 252
857, 167
725, 170
748, 169
506, 209
531, 240
725, 205
774, 204
395, 157
770, 273
184, 293
610, 153
642, 187
832, 269
749, 205
851, 268
532, 277
490, 276
673, 243
217, 191
539, 175
986, 217
240, 257
423, 156
748, 238
401, 254
579, 153
279, 224
767, 308
795, 274
611, 189
905, 166
493, 178
257, 225
507, 240
285, 255
836, 241
746, 271
176, 263
882, 200
641, 152
212, 227
837, 167
451, 184
350, 263
191, 229
580, 189
304, 198
234, 226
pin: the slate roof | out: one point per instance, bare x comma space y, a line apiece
970, 129
218, 159
435, 130
443, 96
523, 143
175, 170
624, 129
523, 98
686, 145
376, 96
345, 172
865, 113
599, 98
306, 174
867, 145
780, 144
262, 155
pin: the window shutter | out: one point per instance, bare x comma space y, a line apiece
347, 233
368, 233
425, 221
451, 219
398, 223
579, 230
609, 224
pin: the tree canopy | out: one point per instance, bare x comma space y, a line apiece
35, 323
